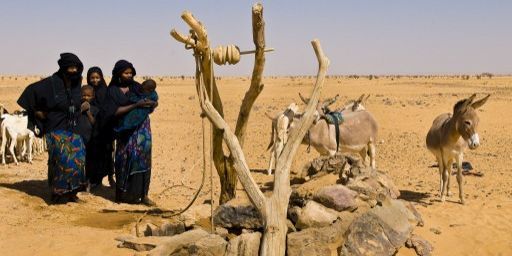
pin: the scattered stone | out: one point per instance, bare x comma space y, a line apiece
193, 242
244, 245
420, 245
334, 164
195, 213
435, 231
152, 230
291, 227
171, 228
415, 219
224, 233
371, 183
140, 244
238, 213
316, 241
210, 245
314, 215
380, 231
304, 192
337, 197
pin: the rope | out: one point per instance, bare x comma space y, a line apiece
196, 195
211, 147
198, 71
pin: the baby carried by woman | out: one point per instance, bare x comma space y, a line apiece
134, 118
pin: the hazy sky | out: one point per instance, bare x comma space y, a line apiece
363, 37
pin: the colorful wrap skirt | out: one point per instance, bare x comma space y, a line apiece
133, 164
66, 162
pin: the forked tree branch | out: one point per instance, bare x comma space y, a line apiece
295, 138
258, 36
282, 170
240, 164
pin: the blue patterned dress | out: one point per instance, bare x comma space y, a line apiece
133, 164
66, 150
66, 162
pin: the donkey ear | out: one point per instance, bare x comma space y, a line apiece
468, 101
365, 99
355, 106
471, 99
360, 98
480, 102
462, 105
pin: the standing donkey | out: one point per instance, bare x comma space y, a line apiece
448, 138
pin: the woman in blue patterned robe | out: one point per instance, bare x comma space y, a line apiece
53, 106
133, 149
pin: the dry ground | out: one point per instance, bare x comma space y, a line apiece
404, 108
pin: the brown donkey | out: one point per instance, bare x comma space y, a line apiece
448, 138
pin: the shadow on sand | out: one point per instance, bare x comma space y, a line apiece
106, 192
40, 188
37, 188
417, 197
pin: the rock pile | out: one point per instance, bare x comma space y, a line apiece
334, 212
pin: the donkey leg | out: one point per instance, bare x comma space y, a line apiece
447, 168
441, 168
459, 177
371, 151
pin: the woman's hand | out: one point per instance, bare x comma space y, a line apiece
145, 103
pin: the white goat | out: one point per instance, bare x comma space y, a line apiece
14, 127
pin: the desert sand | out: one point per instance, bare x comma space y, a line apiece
404, 107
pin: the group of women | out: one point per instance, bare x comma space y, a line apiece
54, 106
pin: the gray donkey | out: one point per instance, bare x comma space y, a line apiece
449, 136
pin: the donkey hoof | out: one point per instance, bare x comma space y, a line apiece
462, 201
443, 198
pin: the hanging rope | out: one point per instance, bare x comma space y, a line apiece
211, 148
201, 86
201, 81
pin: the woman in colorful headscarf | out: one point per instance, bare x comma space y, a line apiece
53, 105
133, 149
99, 161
